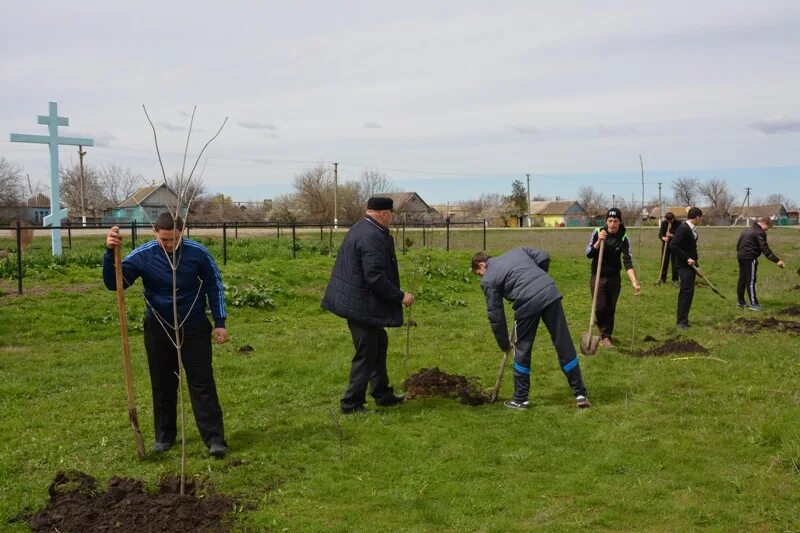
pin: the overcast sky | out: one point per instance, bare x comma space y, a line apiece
450, 99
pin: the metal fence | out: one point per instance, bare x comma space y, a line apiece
445, 235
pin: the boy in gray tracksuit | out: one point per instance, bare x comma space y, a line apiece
520, 276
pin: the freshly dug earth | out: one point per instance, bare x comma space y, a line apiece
793, 310
433, 382
750, 325
674, 346
77, 505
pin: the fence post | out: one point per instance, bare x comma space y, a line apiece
294, 241
448, 235
236, 229
133, 233
404, 234
19, 258
279, 229
224, 243
484, 234
330, 240
69, 233
423, 233
321, 235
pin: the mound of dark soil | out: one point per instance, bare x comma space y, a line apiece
792, 310
430, 382
795, 288
245, 349
674, 346
751, 325
649, 338
76, 504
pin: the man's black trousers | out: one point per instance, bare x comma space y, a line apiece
667, 262
368, 366
747, 281
162, 359
607, 296
556, 322
686, 294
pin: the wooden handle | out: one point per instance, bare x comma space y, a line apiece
126, 352
664, 252
596, 284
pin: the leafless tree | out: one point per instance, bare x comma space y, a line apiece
593, 201
118, 183
11, 184
286, 208
314, 190
70, 183
778, 198
351, 206
188, 188
685, 190
373, 182
715, 191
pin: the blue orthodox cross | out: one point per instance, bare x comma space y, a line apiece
53, 121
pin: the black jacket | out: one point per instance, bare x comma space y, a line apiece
683, 246
520, 276
365, 282
662, 229
617, 252
752, 243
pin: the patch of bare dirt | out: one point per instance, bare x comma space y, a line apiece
753, 325
430, 382
78, 505
792, 310
672, 347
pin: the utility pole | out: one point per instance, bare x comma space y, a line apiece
81, 153
336, 196
747, 196
613, 200
660, 203
528, 210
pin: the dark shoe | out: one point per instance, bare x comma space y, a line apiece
683, 326
217, 450
741, 305
521, 406
161, 447
582, 402
353, 410
389, 401
754, 307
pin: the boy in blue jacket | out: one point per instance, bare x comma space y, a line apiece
197, 280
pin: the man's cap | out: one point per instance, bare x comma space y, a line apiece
614, 213
379, 203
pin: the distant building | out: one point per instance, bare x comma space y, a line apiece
677, 210
31, 212
409, 206
776, 212
560, 213
143, 206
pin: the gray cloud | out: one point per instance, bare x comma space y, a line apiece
102, 139
776, 125
184, 113
374, 125
253, 125
272, 135
262, 160
615, 131
170, 127
525, 130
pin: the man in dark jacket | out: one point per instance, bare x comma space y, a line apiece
665, 233
520, 276
684, 256
197, 279
752, 243
616, 253
365, 289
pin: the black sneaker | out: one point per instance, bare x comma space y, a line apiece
353, 410
754, 307
161, 447
217, 450
683, 327
513, 404
582, 402
391, 400
741, 305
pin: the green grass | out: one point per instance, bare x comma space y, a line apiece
670, 443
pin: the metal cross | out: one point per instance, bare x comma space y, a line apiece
53, 121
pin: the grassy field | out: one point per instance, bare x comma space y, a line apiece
680, 442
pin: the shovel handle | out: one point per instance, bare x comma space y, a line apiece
702, 275
596, 284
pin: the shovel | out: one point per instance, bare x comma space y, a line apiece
503, 363
702, 275
589, 342
664, 255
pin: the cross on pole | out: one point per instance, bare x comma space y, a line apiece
53, 121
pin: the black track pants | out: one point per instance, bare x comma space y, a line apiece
368, 366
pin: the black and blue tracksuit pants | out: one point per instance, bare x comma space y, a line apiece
556, 322
748, 268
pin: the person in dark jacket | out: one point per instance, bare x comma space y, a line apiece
520, 276
752, 243
683, 248
665, 232
365, 289
616, 254
198, 280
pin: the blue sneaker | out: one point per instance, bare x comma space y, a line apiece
513, 404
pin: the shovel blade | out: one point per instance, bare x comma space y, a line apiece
589, 343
